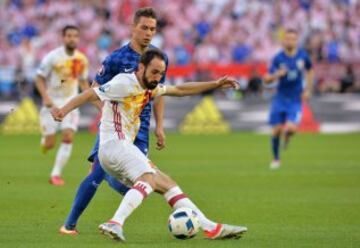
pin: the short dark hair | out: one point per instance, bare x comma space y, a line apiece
291, 31
69, 27
144, 12
150, 54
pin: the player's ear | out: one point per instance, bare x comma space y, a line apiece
141, 67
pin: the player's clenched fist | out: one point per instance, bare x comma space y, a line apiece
281, 72
227, 82
57, 114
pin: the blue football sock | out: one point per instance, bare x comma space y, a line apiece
275, 144
85, 193
116, 185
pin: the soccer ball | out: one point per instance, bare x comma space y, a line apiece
183, 223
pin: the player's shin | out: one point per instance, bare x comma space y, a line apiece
177, 199
131, 201
85, 193
275, 144
62, 157
287, 136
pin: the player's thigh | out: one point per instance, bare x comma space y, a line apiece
294, 116
47, 123
97, 173
292, 127
277, 130
277, 118
71, 121
143, 145
124, 161
49, 141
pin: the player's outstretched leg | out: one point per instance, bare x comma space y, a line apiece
275, 145
177, 199
132, 200
86, 192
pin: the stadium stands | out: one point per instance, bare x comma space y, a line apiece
192, 32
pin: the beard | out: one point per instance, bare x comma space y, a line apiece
71, 46
149, 84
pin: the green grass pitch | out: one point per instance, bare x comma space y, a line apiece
312, 201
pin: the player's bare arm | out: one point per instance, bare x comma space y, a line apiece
84, 85
97, 103
86, 96
309, 79
193, 88
40, 86
158, 108
270, 78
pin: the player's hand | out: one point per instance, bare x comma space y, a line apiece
281, 72
160, 138
57, 114
47, 102
227, 83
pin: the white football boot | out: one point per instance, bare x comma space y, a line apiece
275, 164
113, 230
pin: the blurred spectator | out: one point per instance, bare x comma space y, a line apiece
332, 49
105, 40
348, 80
206, 52
241, 51
190, 31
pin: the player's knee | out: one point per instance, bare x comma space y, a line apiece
68, 137
49, 146
94, 177
148, 178
49, 143
277, 131
67, 140
292, 129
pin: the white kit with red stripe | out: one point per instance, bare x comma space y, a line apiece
62, 73
124, 99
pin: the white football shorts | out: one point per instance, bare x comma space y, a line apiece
124, 161
49, 126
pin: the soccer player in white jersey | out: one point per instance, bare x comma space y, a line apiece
124, 97
58, 78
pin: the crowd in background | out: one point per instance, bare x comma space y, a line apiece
190, 32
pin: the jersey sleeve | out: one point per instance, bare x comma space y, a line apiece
113, 90
110, 67
274, 66
45, 66
308, 63
159, 90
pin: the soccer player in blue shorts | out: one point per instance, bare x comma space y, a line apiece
288, 69
123, 60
